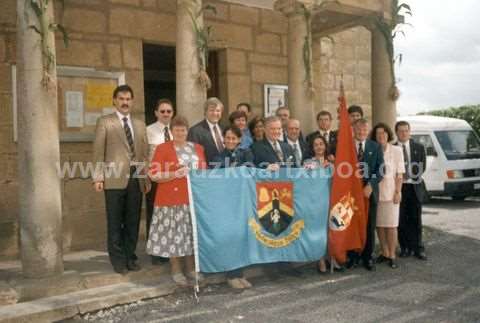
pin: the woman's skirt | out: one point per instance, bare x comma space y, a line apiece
170, 233
387, 214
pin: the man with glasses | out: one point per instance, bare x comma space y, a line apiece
158, 133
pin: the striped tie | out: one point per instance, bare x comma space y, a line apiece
128, 133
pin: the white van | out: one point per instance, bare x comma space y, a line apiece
453, 155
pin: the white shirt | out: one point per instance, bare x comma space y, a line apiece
129, 121
299, 148
325, 134
407, 147
156, 136
409, 158
212, 131
156, 133
358, 142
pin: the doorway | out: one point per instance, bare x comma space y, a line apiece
160, 80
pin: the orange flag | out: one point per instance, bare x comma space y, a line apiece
348, 207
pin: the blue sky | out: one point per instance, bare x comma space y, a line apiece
441, 56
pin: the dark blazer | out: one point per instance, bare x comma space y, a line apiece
332, 141
418, 161
235, 158
304, 147
201, 134
372, 159
264, 154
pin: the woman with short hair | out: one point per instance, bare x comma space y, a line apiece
170, 234
257, 128
239, 119
390, 194
235, 156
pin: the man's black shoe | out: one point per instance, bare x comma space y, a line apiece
420, 255
404, 253
369, 265
133, 266
351, 263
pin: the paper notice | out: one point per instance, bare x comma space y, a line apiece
74, 109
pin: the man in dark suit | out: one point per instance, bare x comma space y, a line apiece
271, 153
298, 145
370, 158
121, 146
413, 190
208, 132
324, 122
284, 114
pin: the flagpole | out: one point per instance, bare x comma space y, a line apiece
193, 216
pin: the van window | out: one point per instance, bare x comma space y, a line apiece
459, 144
426, 141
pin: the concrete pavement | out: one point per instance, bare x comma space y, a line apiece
446, 288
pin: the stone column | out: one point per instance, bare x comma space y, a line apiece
300, 98
383, 106
38, 150
190, 93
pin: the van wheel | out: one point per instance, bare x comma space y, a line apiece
458, 197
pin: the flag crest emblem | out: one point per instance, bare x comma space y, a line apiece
275, 215
342, 212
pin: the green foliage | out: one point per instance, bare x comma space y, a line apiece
202, 39
469, 113
44, 26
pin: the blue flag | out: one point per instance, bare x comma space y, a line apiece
246, 216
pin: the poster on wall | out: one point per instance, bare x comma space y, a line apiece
74, 109
275, 96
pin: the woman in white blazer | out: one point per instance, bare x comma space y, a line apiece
390, 190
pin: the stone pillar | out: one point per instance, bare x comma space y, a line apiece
190, 93
38, 151
300, 98
383, 106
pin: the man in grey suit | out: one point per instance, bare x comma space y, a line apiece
120, 152
208, 132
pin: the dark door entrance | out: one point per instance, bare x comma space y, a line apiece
159, 76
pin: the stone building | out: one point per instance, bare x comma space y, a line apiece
254, 42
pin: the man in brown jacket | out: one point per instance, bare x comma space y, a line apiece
120, 152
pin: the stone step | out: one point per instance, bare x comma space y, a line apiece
59, 307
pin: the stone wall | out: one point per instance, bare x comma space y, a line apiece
345, 55
108, 35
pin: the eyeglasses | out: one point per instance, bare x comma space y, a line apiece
166, 111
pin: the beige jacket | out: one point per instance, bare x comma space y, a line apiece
111, 155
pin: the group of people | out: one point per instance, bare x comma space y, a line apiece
391, 176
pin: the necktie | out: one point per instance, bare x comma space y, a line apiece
407, 162
296, 152
166, 134
360, 154
128, 134
278, 151
218, 139
360, 151
325, 135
